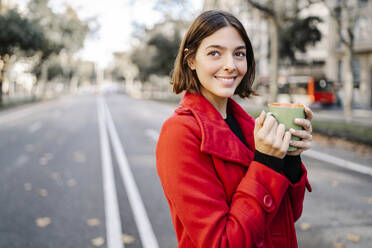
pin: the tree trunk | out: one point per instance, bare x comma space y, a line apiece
349, 84
4, 59
274, 59
43, 79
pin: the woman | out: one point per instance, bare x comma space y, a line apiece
228, 178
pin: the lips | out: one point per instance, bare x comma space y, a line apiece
226, 79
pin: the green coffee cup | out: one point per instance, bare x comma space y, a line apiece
286, 113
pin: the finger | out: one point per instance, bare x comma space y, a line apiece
261, 118
301, 134
259, 122
309, 113
268, 124
286, 140
306, 124
279, 136
302, 144
269, 137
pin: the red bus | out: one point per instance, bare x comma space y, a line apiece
306, 90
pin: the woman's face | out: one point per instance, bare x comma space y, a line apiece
220, 63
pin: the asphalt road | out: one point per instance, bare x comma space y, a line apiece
57, 158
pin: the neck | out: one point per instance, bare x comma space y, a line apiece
220, 103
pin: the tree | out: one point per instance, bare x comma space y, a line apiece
284, 21
17, 33
64, 32
157, 54
297, 35
345, 15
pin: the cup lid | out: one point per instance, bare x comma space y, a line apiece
286, 105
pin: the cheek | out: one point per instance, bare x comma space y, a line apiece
208, 68
242, 68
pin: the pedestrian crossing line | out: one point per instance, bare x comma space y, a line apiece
145, 230
338, 162
113, 222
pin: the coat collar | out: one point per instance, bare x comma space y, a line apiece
217, 137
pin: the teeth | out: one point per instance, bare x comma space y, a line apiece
226, 79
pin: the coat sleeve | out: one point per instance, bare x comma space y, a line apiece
197, 197
297, 193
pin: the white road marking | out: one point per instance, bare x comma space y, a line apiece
152, 133
146, 232
339, 162
34, 127
113, 222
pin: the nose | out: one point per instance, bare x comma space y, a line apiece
229, 65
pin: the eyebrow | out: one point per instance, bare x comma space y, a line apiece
221, 47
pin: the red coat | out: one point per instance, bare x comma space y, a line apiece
217, 195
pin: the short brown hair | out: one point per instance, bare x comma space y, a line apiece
183, 78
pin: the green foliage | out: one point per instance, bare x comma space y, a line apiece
297, 35
157, 55
63, 31
166, 52
18, 32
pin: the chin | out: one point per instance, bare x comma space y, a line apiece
226, 94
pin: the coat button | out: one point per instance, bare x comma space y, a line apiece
259, 243
268, 201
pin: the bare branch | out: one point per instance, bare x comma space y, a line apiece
262, 8
337, 17
298, 10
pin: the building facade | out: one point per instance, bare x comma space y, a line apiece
327, 58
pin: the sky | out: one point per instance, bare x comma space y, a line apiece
115, 18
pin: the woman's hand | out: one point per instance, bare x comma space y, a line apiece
269, 137
305, 135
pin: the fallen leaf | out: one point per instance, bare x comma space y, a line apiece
98, 241
43, 192
28, 186
93, 222
338, 245
71, 182
305, 226
43, 161
79, 157
56, 176
43, 222
48, 156
128, 239
335, 183
353, 238
29, 148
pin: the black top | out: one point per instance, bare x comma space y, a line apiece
290, 165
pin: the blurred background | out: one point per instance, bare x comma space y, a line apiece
85, 87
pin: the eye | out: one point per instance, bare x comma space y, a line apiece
214, 53
240, 54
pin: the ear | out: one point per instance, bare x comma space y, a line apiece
191, 63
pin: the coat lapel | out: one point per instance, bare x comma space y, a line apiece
217, 137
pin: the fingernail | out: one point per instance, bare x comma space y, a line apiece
292, 130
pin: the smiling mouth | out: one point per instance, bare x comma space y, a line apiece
226, 79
